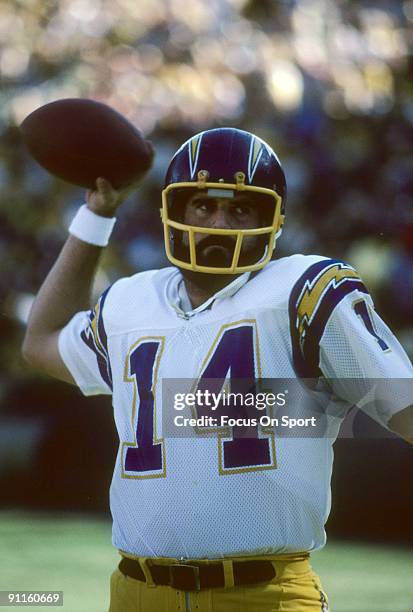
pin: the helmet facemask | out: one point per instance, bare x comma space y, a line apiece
181, 239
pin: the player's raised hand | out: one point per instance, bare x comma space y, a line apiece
105, 200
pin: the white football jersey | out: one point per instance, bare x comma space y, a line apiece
187, 494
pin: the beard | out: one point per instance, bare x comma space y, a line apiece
217, 251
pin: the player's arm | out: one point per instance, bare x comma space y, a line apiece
66, 290
368, 366
338, 335
363, 347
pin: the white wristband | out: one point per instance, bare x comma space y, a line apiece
92, 228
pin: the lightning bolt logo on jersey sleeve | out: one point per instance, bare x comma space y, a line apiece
94, 336
313, 299
83, 346
337, 334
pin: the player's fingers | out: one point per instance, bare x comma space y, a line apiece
103, 185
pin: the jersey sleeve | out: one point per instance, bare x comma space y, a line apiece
337, 334
83, 346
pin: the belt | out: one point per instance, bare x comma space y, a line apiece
192, 576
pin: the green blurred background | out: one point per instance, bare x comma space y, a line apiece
330, 86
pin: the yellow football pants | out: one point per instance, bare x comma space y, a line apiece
295, 588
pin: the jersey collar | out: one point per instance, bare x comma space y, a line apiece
178, 299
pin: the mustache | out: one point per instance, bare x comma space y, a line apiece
217, 240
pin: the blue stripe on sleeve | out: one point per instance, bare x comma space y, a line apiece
95, 337
313, 298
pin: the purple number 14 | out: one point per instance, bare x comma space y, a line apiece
233, 353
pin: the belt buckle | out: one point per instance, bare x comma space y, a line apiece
184, 577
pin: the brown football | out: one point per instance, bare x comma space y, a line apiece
78, 140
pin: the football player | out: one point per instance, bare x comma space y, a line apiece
228, 521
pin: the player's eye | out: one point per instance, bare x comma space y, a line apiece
242, 210
203, 205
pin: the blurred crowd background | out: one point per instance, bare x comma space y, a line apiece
328, 84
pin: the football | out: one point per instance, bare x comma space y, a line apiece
79, 140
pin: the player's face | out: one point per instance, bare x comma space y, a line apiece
237, 212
